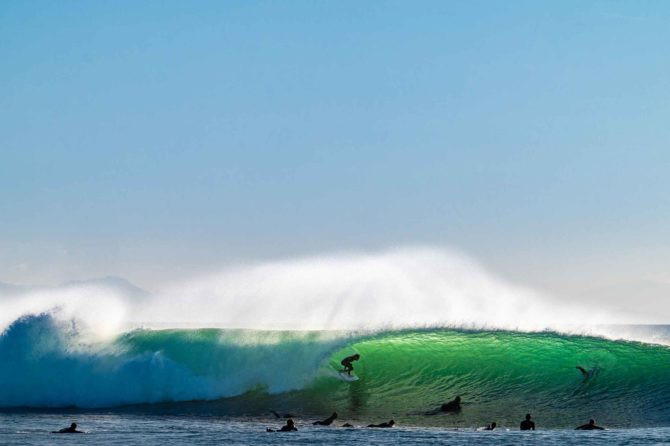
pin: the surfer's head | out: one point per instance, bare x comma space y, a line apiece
73, 426
290, 422
357, 356
391, 423
528, 416
592, 422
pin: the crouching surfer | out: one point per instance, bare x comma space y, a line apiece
288, 427
346, 363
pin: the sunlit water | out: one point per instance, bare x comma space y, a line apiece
114, 429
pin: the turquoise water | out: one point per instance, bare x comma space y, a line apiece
208, 386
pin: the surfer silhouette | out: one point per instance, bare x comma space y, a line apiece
288, 427
390, 423
69, 430
346, 363
491, 426
527, 424
590, 426
585, 373
452, 406
327, 422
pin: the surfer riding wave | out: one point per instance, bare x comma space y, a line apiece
346, 363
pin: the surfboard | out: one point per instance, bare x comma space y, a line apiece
344, 376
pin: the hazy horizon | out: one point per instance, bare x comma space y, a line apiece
159, 142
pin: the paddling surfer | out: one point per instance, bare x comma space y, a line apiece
288, 427
387, 424
68, 430
591, 426
327, 422
452, 406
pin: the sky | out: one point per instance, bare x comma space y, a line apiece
154, 140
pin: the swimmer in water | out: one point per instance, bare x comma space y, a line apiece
527, 424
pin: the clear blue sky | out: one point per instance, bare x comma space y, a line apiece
153, 139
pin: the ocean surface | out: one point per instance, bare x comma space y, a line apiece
127, 429
214, 386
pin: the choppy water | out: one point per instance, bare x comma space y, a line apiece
125, 429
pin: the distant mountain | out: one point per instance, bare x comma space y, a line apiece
119, 284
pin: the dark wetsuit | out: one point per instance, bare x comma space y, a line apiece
289, 427
452, 406
591, 426
68, 430
389, 424
527, 425
327, 422
346, 362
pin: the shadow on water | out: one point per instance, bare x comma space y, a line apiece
358, 397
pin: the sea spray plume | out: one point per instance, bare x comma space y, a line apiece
103, 306
393, 289
401, 288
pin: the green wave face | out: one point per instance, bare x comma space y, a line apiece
404, 375
501, 376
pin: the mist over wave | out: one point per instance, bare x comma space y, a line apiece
409, 287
